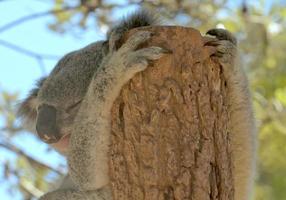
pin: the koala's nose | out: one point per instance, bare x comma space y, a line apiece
46, 125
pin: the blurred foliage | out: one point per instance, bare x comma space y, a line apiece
260, 27
24, 173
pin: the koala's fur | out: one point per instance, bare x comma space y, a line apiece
91, 79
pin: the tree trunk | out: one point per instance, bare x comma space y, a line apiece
169, 126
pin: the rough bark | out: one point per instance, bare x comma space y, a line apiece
169, 126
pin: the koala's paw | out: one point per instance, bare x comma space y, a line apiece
222, 34
225, 45
133, 60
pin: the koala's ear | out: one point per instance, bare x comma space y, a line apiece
27, 109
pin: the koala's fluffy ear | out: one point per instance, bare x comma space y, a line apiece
140, 18
27, 109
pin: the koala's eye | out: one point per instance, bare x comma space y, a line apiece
74, 106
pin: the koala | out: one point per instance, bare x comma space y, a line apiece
91, 78
88, 79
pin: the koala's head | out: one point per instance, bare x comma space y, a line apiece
51, 107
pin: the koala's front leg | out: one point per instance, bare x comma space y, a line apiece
242, 123
88, 156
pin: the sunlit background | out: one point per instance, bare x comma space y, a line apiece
34, 34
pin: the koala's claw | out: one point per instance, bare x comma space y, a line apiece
225, 46
138, 60
135, 40
222, 34
140, 57
129, 59
151, 53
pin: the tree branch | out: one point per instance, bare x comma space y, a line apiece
28, 52
30, 188
37, 56
34, 16
18, 151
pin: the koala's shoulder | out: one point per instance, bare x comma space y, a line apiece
84, 58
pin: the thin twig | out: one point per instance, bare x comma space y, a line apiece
34, 16
28, 52
18, 151
30, 188
42, 65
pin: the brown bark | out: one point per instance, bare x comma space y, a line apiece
169, 126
